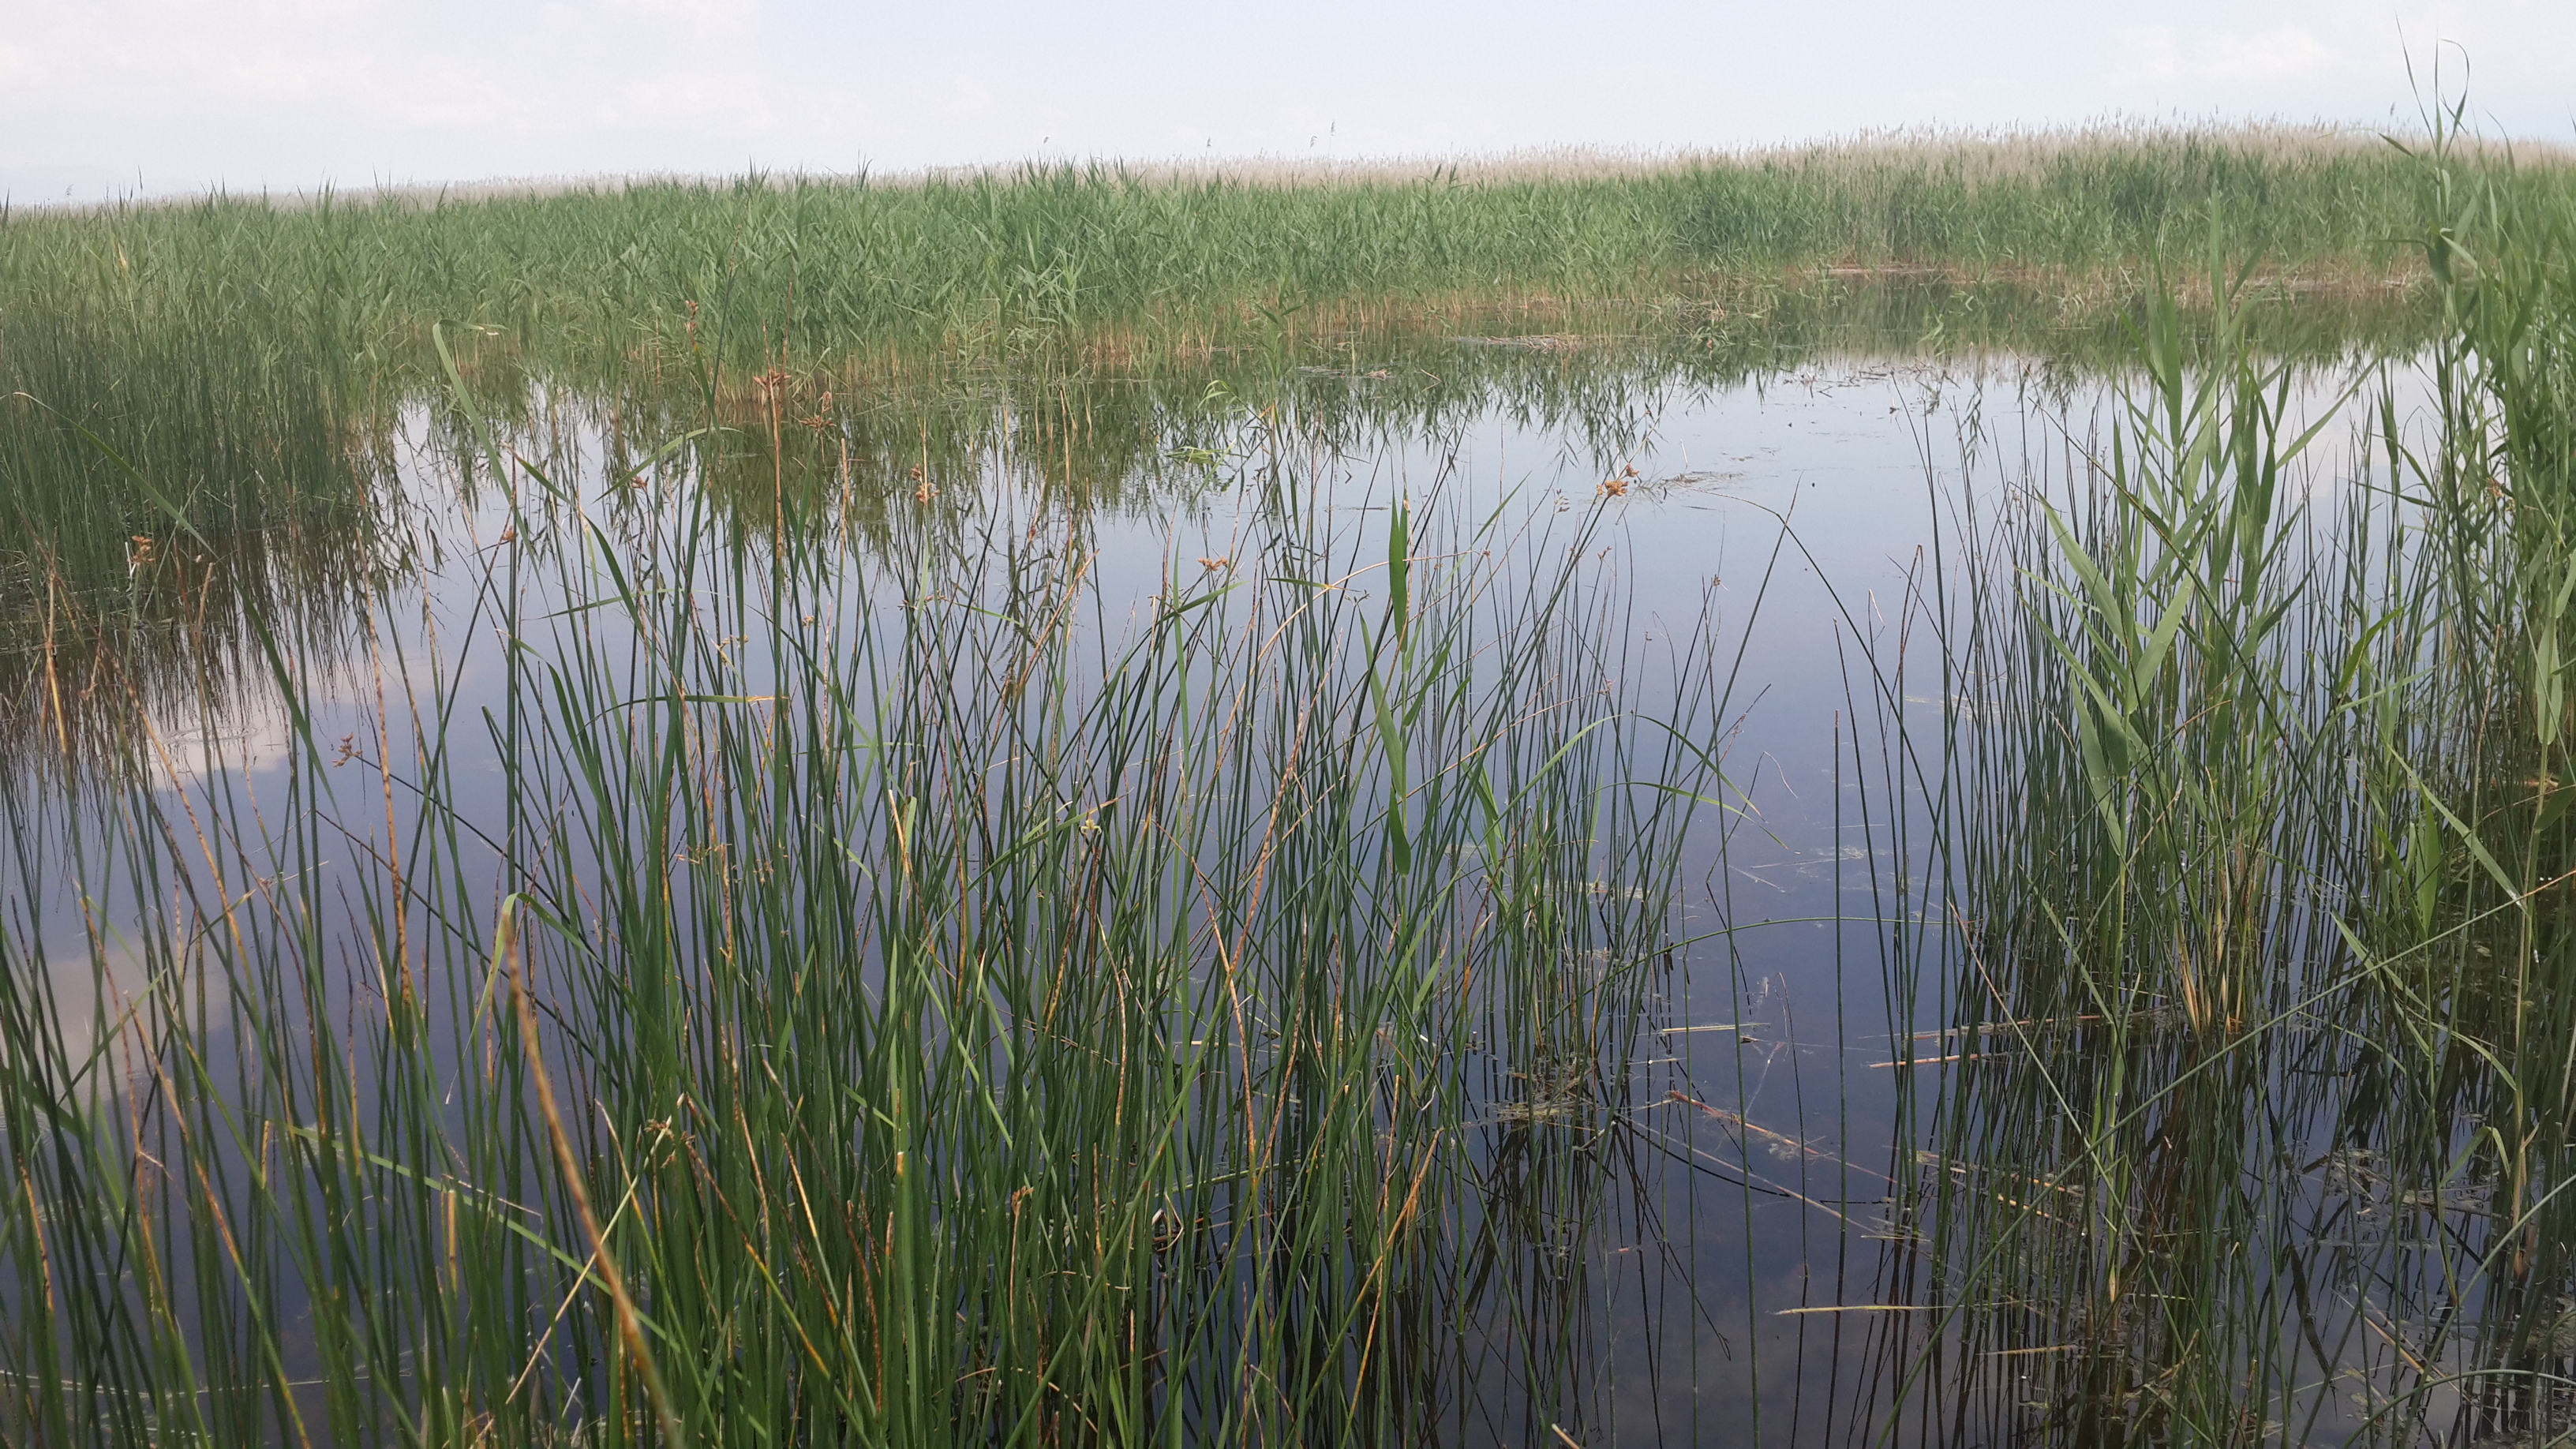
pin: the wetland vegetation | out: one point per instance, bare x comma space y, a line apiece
1092, 807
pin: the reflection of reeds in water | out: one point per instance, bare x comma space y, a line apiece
964, 1021
155, 472
2257, 1115
260, 473
140, 671
218, 378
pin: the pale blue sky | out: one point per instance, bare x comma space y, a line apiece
291, 93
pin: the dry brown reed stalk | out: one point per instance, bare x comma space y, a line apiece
630, 1326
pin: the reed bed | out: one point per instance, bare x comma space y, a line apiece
2253, 1125
738, 985
751, 271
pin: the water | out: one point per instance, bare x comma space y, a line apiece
1709, 1229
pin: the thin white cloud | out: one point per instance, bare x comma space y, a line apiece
2285, 53
305, 12
712, 14
2150, 55
2159, 55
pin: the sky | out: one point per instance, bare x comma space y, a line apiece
116, 97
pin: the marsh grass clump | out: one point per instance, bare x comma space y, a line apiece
2268, 899
2146, 938
747, 980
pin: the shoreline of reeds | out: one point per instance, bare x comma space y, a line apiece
782, 270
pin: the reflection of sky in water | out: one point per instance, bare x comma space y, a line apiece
1763, 1099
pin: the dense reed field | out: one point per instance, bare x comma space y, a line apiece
758, 272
